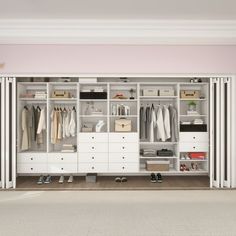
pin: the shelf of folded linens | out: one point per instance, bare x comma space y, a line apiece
158, 157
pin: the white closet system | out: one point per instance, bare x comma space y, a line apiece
111, 152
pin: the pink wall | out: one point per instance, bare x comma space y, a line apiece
117, 59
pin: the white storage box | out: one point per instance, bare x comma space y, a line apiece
166, 92
158, 165
150, 92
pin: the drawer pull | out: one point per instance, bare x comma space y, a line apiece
123, 167
62, 168
123, 157
194, 137
62, 159
31, 168
92, 137
93, 158
31, 158
123, 137
92, 167
92, 147
123, 147
194, 147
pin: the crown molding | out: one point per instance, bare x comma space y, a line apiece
118, 32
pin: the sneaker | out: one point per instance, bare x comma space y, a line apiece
48, 179
61, 180
159, 178
118, 179
123, 179
40, 180
70, 180
153, 178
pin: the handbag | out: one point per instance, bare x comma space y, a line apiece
123, 125
60, 94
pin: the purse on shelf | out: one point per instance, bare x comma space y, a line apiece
60, 94
123, 125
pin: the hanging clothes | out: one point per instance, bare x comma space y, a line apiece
148, 122
67, 123
152, 124
41, 126
160, 134
142, 123
59, 131
72, 124
173, 124
24, 127
166, 118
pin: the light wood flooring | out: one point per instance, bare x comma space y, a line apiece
108, 183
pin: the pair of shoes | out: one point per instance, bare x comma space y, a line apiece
120, 96
184, 157
44, 179
62, 178
156, 178
120, 179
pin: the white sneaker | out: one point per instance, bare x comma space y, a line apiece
61, 180
70, 180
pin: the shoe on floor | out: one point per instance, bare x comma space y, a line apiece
48, 179
118, 179
123, 179
40, 180
61, 180
70, 180
153, 178
159, 178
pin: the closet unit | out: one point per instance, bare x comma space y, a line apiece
173, 125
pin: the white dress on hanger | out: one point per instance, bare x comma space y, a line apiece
166, 122
160, 125
72, 124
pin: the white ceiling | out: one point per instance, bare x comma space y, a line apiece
119, 9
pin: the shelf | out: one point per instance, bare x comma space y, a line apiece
157, 143
158, 157
33, 99
93, 116
193, 99
63, 99
193, 115
123, 116
123, 100
170, 171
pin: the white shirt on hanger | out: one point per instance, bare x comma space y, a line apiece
160, 125
42, 122
72, 123
166, 122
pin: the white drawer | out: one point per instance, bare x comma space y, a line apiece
193, 147
32, 168
31, 158
93, 157
124, 157
189, 137
93, 147
62, 168
123, 167
93, 167
123, 137
93, 137
62, 158
123, 147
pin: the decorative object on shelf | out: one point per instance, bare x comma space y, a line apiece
120, 96
88, 94
150, 92
61, 94
132, 91
192, 106
197, 155
123, 125
120, 110
199, 81
87, 127
189, 94
124, 79
99, 125
92, 110
166, 92
191, 80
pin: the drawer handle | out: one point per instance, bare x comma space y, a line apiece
123, 147
92, 167
194, 147
93, 158
62, 168
123, 167
123, 157
92, 137
62, 159
31, 168
31, 158
194, 137
123, 137
92, 147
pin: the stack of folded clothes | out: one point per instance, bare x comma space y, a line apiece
40, 95
148, 152
165, 153
27, 95
68, 148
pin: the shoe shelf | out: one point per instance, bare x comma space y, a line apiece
158, 157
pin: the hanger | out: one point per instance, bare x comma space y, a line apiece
25, 107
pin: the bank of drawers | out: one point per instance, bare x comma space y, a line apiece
123, 152
194, 142
93, 152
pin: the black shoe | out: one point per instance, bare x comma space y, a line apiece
118, 179
123, 179
153, 178
159, 178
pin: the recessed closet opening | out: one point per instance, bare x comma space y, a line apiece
117, 133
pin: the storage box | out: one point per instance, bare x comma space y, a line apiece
91, 178
193, 128
189, 94
123, 125
150, 92
166, 92
93, 95
159, 165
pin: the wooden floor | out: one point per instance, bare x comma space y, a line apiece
108, 183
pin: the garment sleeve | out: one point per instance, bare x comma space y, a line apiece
42, 122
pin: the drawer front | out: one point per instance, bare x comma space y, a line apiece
32, 168
123, 137
93, 157
192, 147
123, 167
32, 158
62, 158
93, 137
189, 137
62, 168
125, 157
123, 147
93, 147
93, 167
